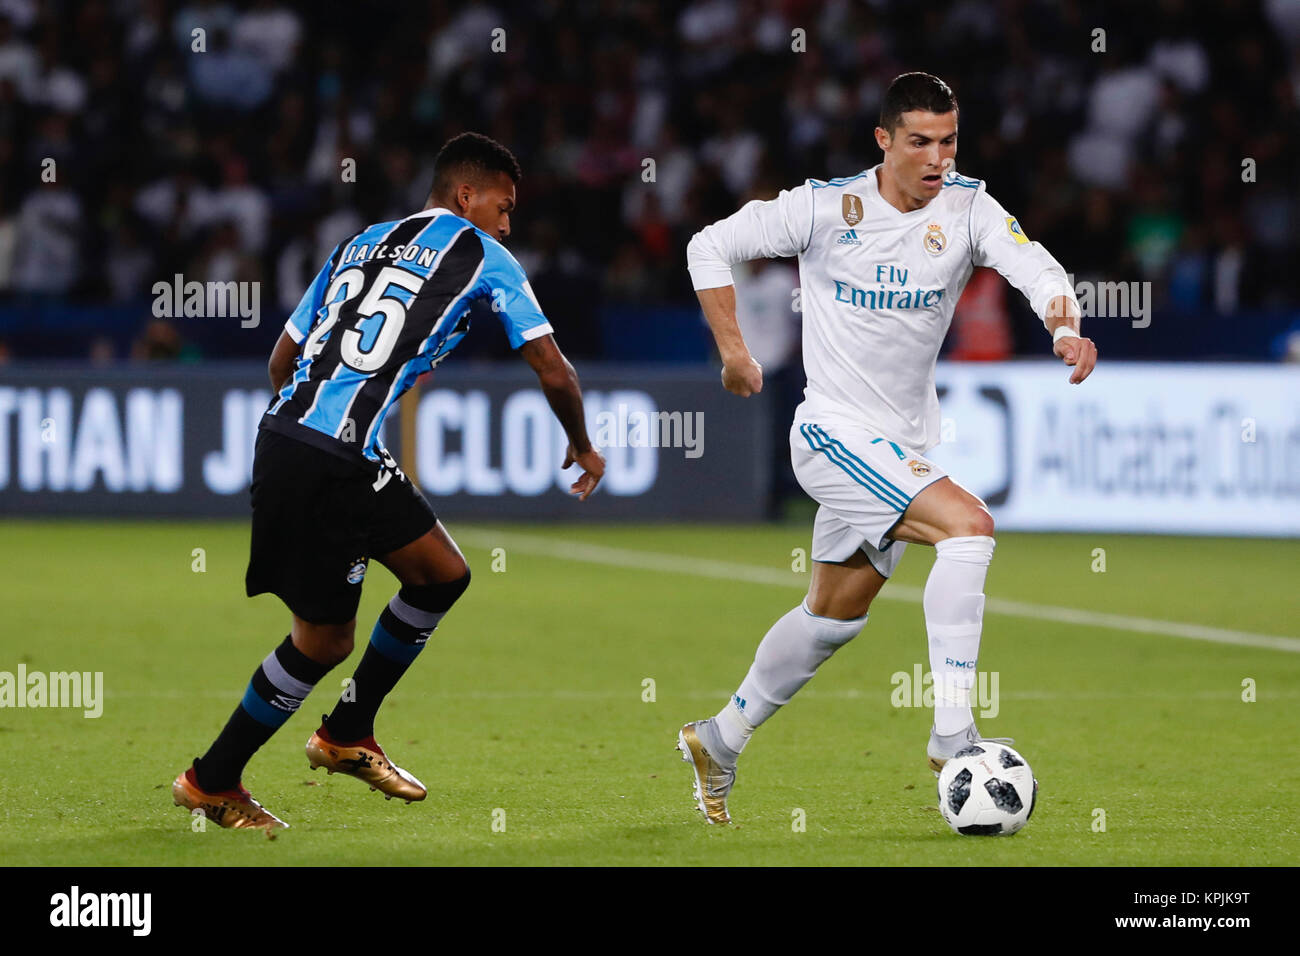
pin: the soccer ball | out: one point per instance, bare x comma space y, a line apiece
987, 789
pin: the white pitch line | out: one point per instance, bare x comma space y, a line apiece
233, 693
752, 574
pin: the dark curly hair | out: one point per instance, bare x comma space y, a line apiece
471, 157
915, 91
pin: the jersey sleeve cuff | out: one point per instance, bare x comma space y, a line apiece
294, 333
710, 277
536, 332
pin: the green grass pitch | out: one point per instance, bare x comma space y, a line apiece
529, 707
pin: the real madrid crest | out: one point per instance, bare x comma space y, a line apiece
935, 241
919, 468
851, 206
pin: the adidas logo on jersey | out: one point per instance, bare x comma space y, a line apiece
850, 238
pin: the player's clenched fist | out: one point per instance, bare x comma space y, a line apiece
744, 378
1078, 352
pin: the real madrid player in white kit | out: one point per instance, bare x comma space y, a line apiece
883, 257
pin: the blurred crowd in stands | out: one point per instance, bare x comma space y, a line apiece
1144, 140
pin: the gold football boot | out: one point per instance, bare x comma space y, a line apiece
712, 781
365, 760
228, 808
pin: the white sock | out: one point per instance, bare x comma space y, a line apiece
954, 617
787, 658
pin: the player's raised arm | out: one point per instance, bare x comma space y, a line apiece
1001, 243
759, 230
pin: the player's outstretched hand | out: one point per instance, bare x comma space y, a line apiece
1080, 353
744, 378
593, 469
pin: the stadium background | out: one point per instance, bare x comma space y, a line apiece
227, 165
135, 150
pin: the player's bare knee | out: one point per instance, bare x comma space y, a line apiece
428, 575
840, 607
340, 639
974, 522
342, 646
328, 644
839, 625
462, 569
982, 523
433, 596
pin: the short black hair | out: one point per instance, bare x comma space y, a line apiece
471, 157
915, 91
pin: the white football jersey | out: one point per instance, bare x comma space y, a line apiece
878, 288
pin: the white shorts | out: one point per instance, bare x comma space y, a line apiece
863, 482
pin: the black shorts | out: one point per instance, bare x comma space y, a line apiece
318, 519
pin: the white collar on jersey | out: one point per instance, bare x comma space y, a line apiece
435, 211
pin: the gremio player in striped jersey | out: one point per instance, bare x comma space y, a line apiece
883, 257
389, 305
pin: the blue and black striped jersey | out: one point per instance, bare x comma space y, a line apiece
389, 305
